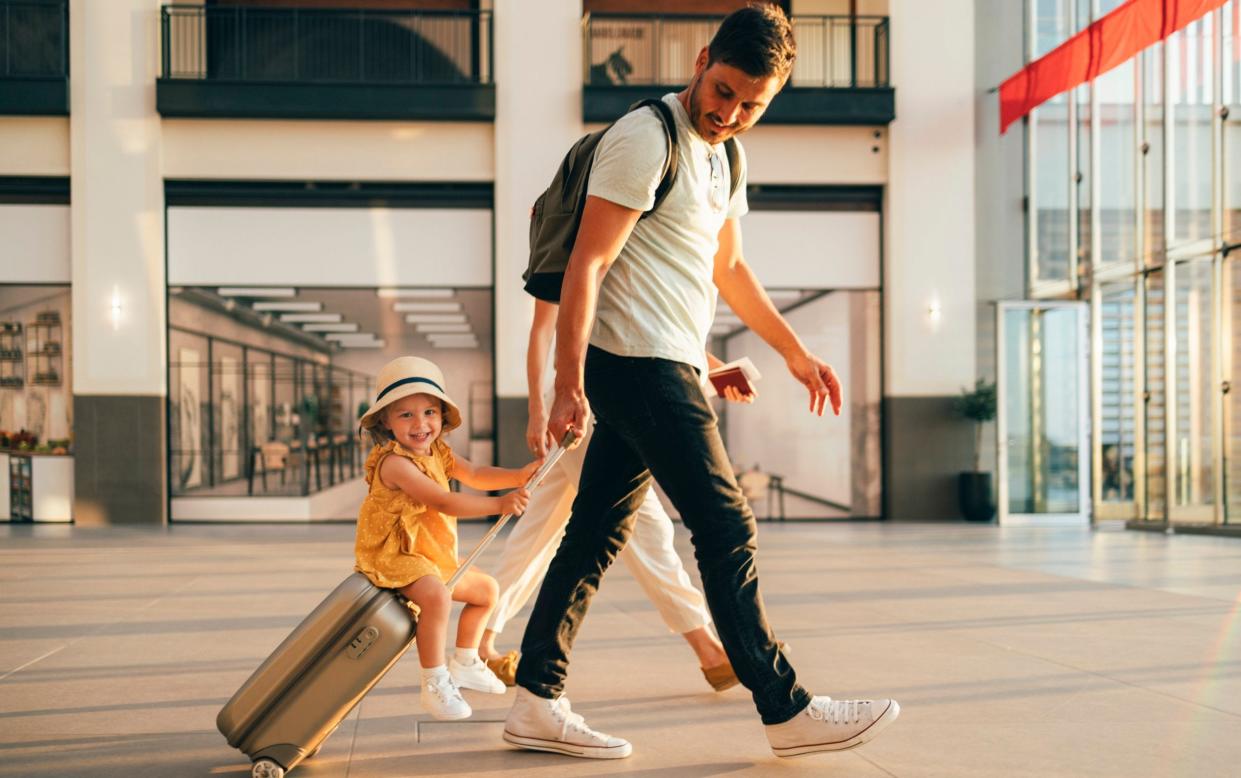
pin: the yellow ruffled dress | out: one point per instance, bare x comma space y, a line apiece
400, 540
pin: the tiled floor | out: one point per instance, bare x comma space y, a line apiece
1017, 652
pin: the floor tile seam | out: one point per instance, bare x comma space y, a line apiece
98, 629
1107, 677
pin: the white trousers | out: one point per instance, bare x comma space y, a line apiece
649, 555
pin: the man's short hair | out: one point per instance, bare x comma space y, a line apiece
757, 40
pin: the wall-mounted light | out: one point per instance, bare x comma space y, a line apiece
116, 308
934, 311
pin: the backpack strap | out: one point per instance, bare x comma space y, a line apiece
736, 165
670, 165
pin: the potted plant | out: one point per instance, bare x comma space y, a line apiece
974, 488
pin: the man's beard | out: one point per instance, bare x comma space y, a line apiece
703, 125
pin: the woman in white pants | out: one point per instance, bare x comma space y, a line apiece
649, 555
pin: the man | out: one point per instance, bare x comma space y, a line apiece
650, 555
649, 290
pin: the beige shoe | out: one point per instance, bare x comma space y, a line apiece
831, 725
505, 667
539, 724
723, 677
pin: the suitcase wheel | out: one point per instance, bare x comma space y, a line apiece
266, 768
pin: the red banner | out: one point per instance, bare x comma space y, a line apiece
1109, 42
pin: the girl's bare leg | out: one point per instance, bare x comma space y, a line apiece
434, 603
479, 592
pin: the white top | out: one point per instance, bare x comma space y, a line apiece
658, 299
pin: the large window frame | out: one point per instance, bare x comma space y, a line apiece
1154, 254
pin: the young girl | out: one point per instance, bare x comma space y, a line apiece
407, 527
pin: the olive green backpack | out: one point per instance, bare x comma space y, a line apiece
557, 213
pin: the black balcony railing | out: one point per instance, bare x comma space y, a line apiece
628, 52
322, 56
34, 57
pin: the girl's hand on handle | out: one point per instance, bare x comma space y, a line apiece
538, 439
530, 469
514, 502
819, 379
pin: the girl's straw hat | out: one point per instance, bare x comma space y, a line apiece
404, 376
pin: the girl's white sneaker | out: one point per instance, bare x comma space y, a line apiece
442, 699
475, 675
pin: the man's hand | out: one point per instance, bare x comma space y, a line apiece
569, 410
734, 395
819, 379
538, 439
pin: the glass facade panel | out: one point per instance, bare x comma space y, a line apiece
1193, 480
1232, 401
1190, 98
1052, 22
1117, 165
1118, 427
1152, 137
1231, 87
1049, 187
189, 409
1084, 178
1156, 423
227, 411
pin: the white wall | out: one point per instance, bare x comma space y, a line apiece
330, 246
791, 154
118, 198
538, 116
813, 249
34, 248
328, 150
34, 146
930, 205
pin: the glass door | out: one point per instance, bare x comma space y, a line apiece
1043, 417
1193, 415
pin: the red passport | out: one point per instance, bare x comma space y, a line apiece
740, 373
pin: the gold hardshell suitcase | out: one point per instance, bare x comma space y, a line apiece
282, 714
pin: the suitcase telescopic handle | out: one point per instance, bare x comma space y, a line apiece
553, 457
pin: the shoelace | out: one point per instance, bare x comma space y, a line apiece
838, 711
444, 689
570, 720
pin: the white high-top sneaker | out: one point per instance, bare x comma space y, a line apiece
540, 724
831, 725
442, 699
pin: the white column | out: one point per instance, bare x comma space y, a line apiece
538, 77
117, 222
929, 264
117, 262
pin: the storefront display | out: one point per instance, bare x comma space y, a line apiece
35, 402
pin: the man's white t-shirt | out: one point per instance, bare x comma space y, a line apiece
658, 299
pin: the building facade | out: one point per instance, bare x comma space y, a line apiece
238, 211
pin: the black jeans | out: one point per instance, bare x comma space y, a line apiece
652, 419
